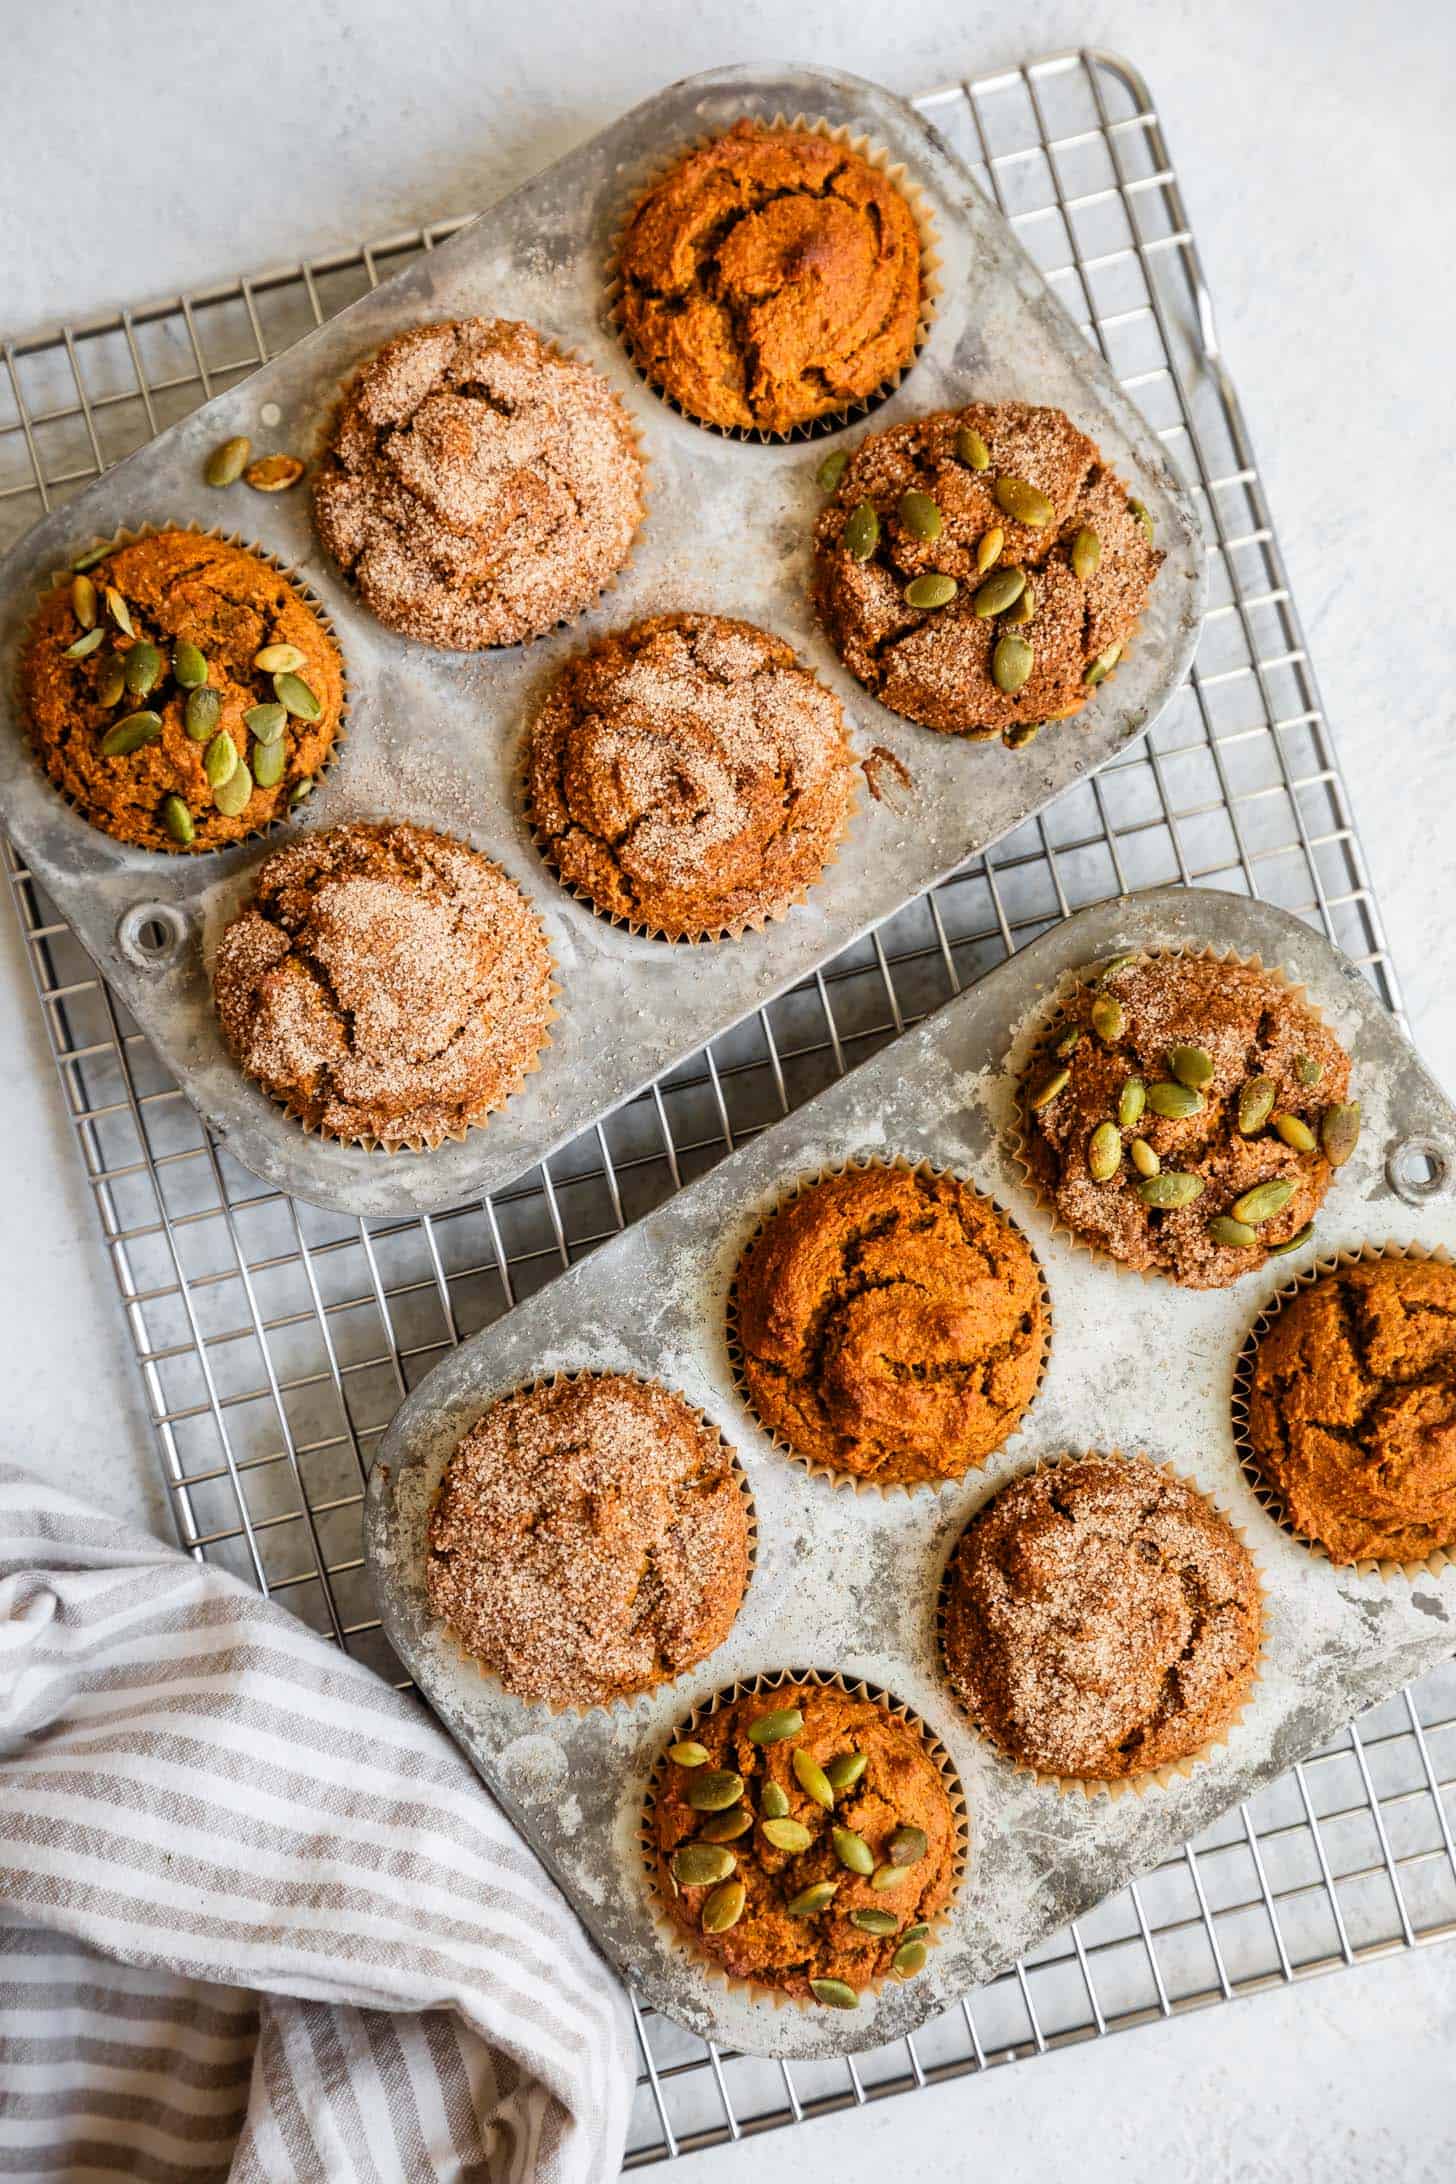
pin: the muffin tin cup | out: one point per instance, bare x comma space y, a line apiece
655, 168
129, 535
627, 1699
1024, 1045
815, 1465
672, 1935
1172, 1772
1267, 1496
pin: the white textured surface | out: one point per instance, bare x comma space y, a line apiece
151, 144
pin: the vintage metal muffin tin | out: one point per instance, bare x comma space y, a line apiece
848, 1580
435, 737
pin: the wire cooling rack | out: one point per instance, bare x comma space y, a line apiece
275, 1341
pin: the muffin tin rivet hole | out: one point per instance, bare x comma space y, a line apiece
1418, 1168
151, 934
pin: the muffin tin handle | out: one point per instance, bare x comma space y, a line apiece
152, 935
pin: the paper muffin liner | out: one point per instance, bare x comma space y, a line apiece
304, 592
1267, 1495
666, 1927
1149, 1779
815, 1465
1034, 1027
627, 1701
646, 175
458, 1136
324, 439
770, 914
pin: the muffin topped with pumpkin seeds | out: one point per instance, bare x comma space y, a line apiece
1186, 1115
180, 692
982, 570
806, 1839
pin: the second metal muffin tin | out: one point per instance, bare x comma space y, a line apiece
849, 1581
435, 737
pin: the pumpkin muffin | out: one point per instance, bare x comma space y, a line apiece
589, 1540
891, 1324
1102, 1619
805, 1840
1186, 1116
772, 276
687, 774
180, 692
1352, 1411
982, 570
478, 487
388, 985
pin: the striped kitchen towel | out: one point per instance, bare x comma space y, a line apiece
258, 1919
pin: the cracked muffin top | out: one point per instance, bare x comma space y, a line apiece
477, 486
770, 277
180, 693
805, 1839
687, 774
981, 570
1102, 1619
1186, 1115
891, 1325
589, 1540
386, 984
1352, 1410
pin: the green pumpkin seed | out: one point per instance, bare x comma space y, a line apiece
1191, 1066
220, 759
1144, 1159
111, 682
1307, 1071
726, 1827
83, 601
189, 667
971, 449
988, 553
300, 792
1047, 1090
1021, 732
1168, 1188
714, 1791
177, 820
1296, 1242
1142, 516
83, 648
915, 1933
266, 722
772, 1728
774, 1803
1024, 610
845, 1771
226, 464
1103, 665
689, 1753
201, 714
232, 798
852, 1850
279, 659
861, 534
907, 1846
1238, 1235
89, 559
1131, 1101
1024, 502
1104, 1153
1340, 1132
294, 693
920, 516
1175, 1102
889, 1876
909, 1959
836, 1994
879, 1923
131, 734
1256, 1104
269, 760
931, 590
812, 1778
833, 467
1260, 1204
788, 1835
1068, 1044
143, 670
1111, 967
1109, 1019
724, 1907
809, 1900
1086, 553
1011, 663
1295, 1133
1000, 591
699, 1865
119, 611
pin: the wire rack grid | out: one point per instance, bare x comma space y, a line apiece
275, 1341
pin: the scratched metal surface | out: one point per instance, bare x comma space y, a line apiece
850, 1581
435, 737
